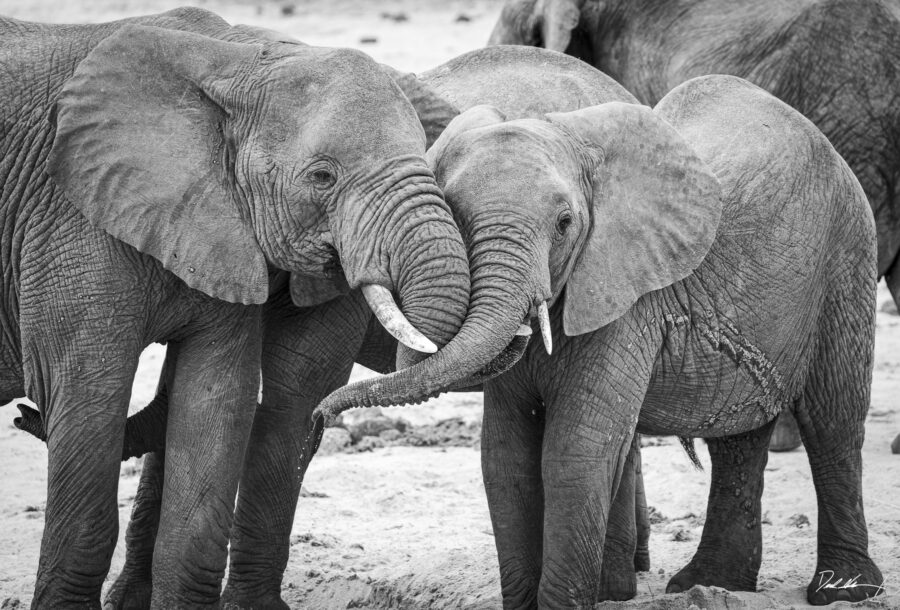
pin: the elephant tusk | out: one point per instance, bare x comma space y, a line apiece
524, 331
385, 309
544, 321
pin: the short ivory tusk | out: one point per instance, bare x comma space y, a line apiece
382, 304
544, 321
524, 331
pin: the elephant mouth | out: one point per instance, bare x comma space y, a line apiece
331, 267
540, 310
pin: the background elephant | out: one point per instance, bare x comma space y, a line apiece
153, 177
308, 352
680, 316
836, 61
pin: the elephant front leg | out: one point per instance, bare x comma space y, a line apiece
277, 460
618, 579
307, 353
85, 421
584, 455
511, 465
211, 405
730, 549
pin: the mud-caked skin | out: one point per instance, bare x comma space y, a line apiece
152, 179
706, 304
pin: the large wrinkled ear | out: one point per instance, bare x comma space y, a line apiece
141, 149
309, 291
473, 118
435, 112
655, 211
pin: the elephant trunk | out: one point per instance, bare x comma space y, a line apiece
502, 296
405, 240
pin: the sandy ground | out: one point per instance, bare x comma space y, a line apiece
408, 527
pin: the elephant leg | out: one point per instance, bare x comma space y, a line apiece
641, 515
511, 466
85, 414
587, 438
786, 436
617, 577
211, 405
132, 588
730, 549
307, 353
831, 417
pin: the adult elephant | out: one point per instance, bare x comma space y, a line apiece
153, 176
836, 61
308, 352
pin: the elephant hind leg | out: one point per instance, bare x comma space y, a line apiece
831, 417
730, 549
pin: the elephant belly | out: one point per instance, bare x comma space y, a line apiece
722, 387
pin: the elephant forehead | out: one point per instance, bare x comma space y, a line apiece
507, 167
341, 102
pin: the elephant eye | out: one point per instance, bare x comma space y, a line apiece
563, 222
322, 178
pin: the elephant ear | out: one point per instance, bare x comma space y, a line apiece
473, 118
141, 150
309, 291
655, 207
435, 112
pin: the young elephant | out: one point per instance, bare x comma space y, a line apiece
695, 294
151, 179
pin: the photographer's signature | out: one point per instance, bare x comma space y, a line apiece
827, 581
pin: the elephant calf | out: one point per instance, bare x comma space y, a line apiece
717, 259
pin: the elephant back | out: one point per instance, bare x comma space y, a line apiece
523, 82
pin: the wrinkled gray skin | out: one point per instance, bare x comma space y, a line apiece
706, 340
701, 299
309, 352
836, 61
152, 180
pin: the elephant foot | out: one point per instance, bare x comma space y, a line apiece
618, 586
238, 600
786, 436
697, 573
839, 582
642, 560
128, 592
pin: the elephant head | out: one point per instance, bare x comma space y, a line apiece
607, 203
224, 160
603, 204
558, 25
